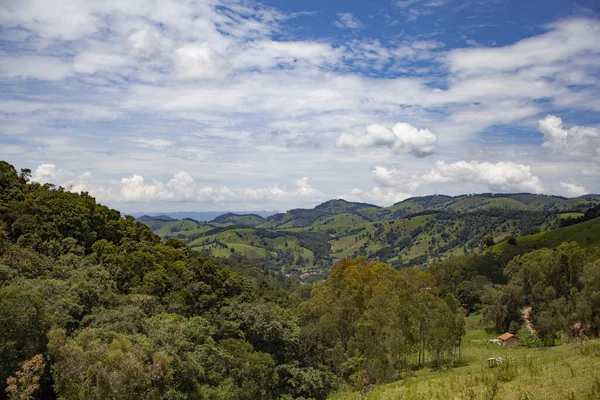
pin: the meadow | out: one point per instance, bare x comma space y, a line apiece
567, 371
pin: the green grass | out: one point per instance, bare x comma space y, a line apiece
568, 371
570, 215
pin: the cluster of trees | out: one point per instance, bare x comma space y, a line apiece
562, 287
94, 306
372, 322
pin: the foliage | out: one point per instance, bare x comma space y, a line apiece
117, 314
370, 320
25, 383
561, 286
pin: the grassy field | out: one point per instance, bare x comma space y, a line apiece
567, 371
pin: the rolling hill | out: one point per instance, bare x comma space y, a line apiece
410, 233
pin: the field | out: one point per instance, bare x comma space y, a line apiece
567, 371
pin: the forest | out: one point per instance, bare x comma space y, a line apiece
94, 305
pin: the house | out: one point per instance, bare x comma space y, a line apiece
508, 339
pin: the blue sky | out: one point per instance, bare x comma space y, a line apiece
227, 104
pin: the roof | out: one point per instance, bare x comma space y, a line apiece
506, 336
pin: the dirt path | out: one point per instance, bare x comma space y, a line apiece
526, 314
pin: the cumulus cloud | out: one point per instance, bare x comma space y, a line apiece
497, 177
572, 189
346, 20
44, 173
183, 188
575, 141
380, 196
402, 137
48, 173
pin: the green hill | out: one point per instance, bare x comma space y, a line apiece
585, 234
413, 232
240, 220
486, 201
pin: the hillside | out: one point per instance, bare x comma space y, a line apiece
585, 234
410, 233
486, 201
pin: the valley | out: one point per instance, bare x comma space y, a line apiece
413, 232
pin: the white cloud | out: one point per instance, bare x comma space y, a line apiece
402, 137
48, 173
199, 61
412, 9
38, 67
565, 40
148, 44
183, 188
497, 177
575, 141
44, 173
377, 195
346, 20
573, 190
68, 20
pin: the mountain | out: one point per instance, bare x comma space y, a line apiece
413, 232
485, 201
251, 220
201, 215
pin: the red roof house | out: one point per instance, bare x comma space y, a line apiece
508, 339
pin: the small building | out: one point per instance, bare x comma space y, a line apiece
508, 339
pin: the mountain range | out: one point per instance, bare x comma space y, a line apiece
412, 232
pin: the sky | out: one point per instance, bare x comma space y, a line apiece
197, 105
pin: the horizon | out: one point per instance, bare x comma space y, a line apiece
281, 105
273, 212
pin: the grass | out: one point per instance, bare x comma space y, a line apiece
568, 371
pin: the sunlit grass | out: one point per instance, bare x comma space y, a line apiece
569, 371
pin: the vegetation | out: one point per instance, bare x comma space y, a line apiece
93, 305
570, 371
414, 232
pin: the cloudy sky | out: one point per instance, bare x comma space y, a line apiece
240, 105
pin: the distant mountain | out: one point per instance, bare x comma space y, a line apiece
412, 232
250, 220
202, 216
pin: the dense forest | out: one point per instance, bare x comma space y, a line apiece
93, 305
